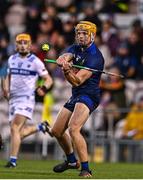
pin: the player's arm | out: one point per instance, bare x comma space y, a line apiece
43, 73
48, 82
5, 83
75, 79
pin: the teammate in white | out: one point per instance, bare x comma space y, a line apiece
19, 88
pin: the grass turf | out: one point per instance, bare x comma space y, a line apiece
36, 169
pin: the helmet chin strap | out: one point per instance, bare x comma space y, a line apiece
92, 38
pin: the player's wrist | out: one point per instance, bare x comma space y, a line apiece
67, 71
61, 60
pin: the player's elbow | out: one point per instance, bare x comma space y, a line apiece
76, 83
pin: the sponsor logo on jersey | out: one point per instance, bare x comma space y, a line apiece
22, 72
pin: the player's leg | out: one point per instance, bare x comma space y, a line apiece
28, 130
58, 130
16, 125
31, 129
77, 120
59, 127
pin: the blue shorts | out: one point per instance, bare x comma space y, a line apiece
85, 99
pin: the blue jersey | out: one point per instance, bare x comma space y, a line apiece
91, 58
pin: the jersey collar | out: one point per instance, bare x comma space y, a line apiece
91, 48
27, 56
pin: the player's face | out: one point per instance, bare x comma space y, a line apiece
83, 38
23, 47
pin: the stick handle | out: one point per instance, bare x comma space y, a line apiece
82, 67
113, 74
50, 61
73, 65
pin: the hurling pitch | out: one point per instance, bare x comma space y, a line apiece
42, 169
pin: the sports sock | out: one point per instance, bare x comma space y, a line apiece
13, 159
84, 166
40, 127
71, 158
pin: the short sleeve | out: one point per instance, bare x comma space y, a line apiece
8, 65
40, 67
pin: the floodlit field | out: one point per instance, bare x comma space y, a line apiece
43, 170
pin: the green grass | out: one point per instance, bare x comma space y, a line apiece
37, 169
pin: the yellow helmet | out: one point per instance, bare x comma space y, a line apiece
23, 36
86, 25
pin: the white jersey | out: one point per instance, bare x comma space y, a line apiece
24, 73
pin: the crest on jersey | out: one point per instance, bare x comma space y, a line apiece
77, 58
20, 64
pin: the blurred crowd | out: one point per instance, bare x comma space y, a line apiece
53, 22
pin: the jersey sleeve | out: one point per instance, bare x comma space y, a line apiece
8, 64
40, 67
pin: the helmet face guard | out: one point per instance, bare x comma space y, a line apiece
88, 27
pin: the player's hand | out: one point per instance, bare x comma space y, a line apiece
66, 66
61, 60
40, 91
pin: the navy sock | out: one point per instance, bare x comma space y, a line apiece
71, 158
84, 166
40, 127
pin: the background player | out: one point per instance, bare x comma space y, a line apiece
19, 88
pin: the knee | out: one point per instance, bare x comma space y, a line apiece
14, 129
73, 131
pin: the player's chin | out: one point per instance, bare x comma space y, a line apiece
23, 53
82, 43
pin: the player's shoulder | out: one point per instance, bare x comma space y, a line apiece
99, 53
94, 56
94, 51
32, 57
13, 56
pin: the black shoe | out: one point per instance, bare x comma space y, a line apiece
46, 128
1, 142
85, 173
64, 166
10, 165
